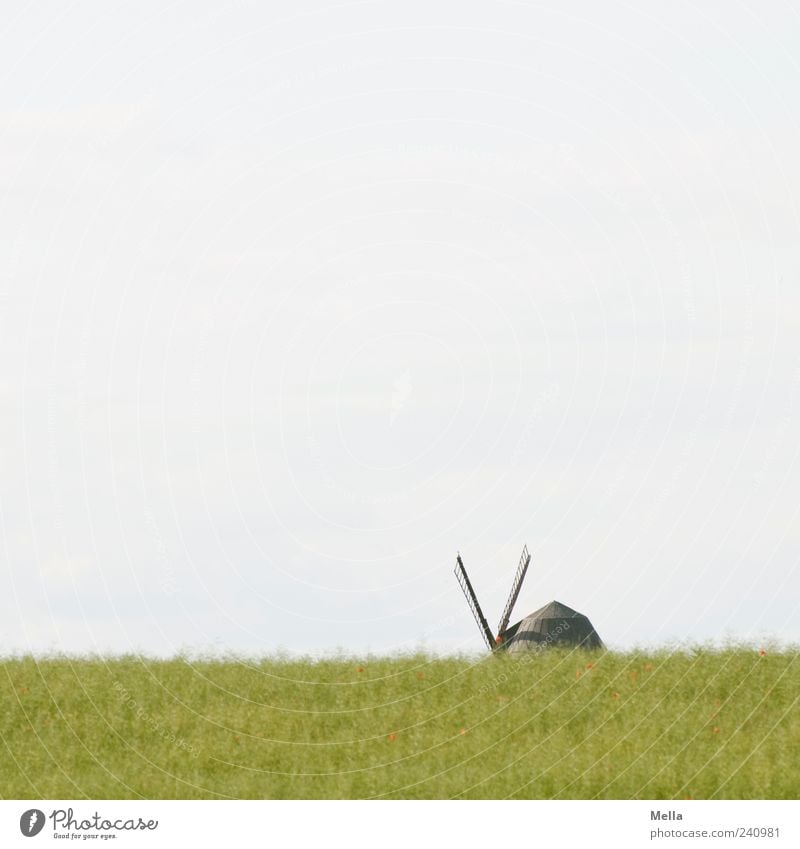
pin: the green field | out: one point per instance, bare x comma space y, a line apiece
697, 723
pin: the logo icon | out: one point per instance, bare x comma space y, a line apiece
31, 822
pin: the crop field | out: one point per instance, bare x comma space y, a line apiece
695, 723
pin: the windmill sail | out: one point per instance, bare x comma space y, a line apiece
472, 601
524, 561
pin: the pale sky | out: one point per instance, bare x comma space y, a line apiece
297, 299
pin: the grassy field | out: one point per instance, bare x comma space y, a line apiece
693, 724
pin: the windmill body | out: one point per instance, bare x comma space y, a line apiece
553, 624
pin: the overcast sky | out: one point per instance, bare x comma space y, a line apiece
299, 298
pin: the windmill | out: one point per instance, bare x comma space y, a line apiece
553, 624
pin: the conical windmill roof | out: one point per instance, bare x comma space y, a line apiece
554, 610
555, 623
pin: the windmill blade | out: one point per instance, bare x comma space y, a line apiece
472, 601
524, 561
